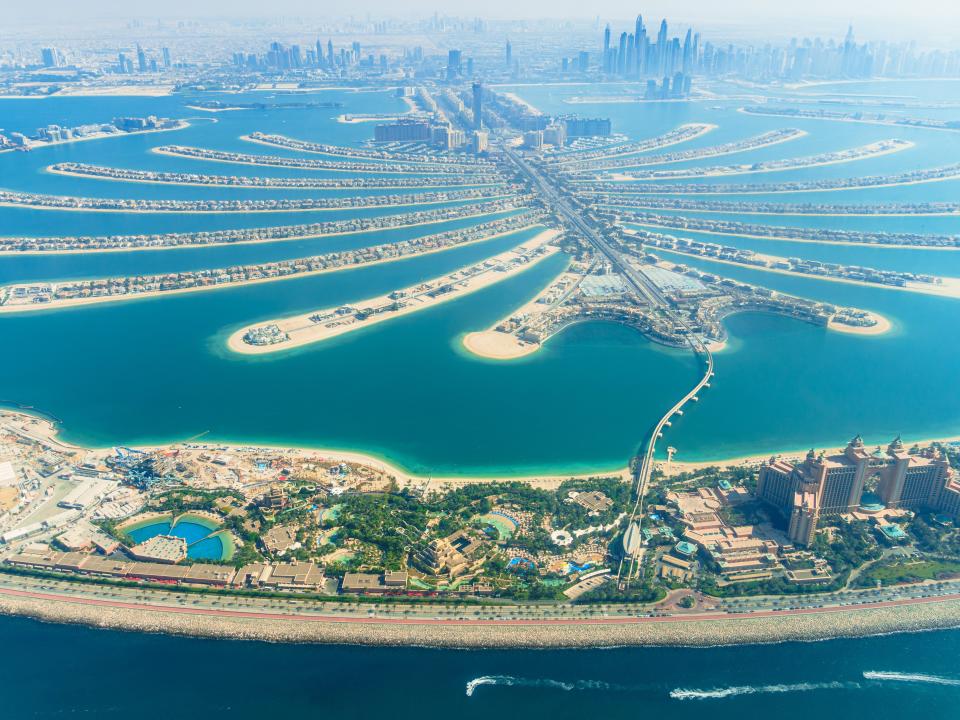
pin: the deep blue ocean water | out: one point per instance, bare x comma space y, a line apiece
53, 671
157, 370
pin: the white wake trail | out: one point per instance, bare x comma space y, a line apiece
737, 690
892, 676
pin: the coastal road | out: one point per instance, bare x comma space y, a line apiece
370, 616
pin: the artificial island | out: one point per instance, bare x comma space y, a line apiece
213, 538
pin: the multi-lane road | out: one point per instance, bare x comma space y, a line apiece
554, 194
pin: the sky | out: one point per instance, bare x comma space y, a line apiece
877, 18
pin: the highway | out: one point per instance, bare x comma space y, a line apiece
549, 189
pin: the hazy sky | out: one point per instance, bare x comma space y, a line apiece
896, 17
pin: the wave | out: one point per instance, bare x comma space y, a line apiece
891, 676
734, 691
510, 681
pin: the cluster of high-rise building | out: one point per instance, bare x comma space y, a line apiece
829, 485
639, 54
145, 63
51, 57
280, 57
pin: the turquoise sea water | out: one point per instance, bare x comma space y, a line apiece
883, 678
157, 370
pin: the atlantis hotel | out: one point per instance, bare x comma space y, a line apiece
823, 486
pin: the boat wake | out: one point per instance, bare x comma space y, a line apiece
718, 693
510, 681
890, 676
737, 690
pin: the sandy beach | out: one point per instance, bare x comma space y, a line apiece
548, 480
495, 345
301, 330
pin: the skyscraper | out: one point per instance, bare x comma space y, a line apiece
606, 49
639, 45
662, 50
508, 55
583, 61
166, 58
477, 106
687, 50
141, 60
51, 57
454, 64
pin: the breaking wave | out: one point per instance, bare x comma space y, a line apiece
510, 681
734, 691
891, 676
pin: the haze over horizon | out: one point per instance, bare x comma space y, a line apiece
926, 20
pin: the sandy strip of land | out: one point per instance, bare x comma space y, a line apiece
255, 242
495, 345
744, 170
54, 171
48, 432
760, 191
791, 213
704, 129
117, 91
675, 467
706, 153
348, 119
691, 630
948, 287
882, 326
302, 331
784, 238
245, 211
360, 158
183, 124
887, 123
520, 101
373, 166
75, 302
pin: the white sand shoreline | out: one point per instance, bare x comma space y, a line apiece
77, 302
90, 176
90, 251
308, 333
